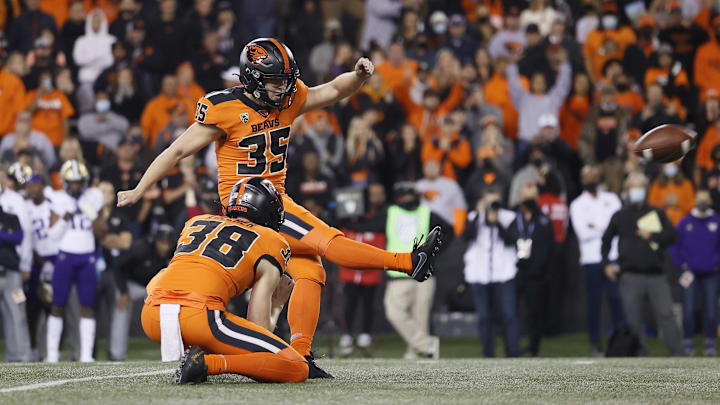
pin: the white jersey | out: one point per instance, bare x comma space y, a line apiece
40, 214
12, 203
78, 237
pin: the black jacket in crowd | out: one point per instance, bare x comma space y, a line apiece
11, 235
139, 264
540, 230
636, 255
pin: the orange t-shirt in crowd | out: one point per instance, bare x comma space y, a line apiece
572, 117
51, 110
215, 260
707, 66
595, 52
394, 76
660, 75
704, 151
58, 9
12, 100
685, 198
459, 155
256, 140
497, 92
630, 100
156, 114
426, 123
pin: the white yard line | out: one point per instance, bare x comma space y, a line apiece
76, 380
583, 362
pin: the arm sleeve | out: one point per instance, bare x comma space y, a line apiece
607, 238
276, 251
470, 231
67, 109
668, 234
562, 85
677, 251
299, 98
516, 90
25, 249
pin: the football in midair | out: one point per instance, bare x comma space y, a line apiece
666, 143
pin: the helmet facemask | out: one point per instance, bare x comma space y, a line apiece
261, 92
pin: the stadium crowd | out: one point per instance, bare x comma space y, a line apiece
514, 119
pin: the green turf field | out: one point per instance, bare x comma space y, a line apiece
384, 381
459, 378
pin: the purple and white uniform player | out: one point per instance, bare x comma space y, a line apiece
74, 210
45, 245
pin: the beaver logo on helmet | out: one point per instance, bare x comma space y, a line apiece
256, 54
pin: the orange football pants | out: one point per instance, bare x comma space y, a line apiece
233, 344
309, 239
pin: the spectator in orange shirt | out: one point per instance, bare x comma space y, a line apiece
397, 69
58, 9
574, 111
424, 117
606, 42
449, 148
446, 79
626, 96
707, 61
671, 76
187, 86
711, 138
497, 92
672, 192
156, 114
12, 96
50, 109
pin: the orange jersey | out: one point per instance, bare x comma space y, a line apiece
215, 260
256, 139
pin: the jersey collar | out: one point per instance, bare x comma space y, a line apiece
250, 103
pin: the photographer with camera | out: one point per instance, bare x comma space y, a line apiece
490, 269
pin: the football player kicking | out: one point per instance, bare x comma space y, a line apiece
216, 259
251, 127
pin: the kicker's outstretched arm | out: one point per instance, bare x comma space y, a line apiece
340, 87
192, 140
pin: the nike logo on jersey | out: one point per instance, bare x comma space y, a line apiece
265, 125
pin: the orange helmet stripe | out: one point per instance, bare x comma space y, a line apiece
286, 59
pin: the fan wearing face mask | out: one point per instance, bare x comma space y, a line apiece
695, 253
672, 192
644, 234
103, 125
608, 41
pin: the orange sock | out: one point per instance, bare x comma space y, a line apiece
303, 314
352, 254
285, 366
